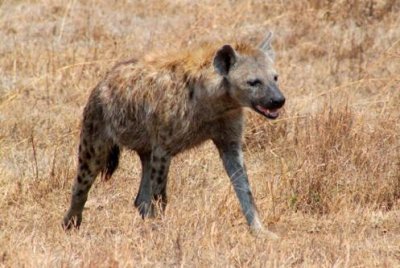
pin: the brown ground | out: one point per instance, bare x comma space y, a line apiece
326, 175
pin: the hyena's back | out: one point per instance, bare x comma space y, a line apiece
136, 106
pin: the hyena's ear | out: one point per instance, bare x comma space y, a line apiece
266, 47
224, 59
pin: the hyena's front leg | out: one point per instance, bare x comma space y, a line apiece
143, 198
232, 157
153, 184
159, 180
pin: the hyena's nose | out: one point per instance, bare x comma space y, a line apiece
277, 102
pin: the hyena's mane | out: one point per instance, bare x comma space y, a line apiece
194, 62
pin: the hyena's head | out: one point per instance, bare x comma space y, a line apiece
251, 79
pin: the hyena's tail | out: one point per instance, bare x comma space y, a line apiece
112, 163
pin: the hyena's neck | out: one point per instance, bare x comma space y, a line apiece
213, 100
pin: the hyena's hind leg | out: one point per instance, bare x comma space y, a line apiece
95, 156
153, 184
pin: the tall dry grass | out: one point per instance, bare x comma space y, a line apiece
326, 175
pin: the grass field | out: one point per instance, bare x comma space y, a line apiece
325, 175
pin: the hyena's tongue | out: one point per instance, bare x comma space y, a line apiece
271, 113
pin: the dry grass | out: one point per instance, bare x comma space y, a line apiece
326, 175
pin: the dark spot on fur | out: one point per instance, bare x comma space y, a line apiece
84, 172
191, 92
168, 150
84, 167
90, 128
160, 179
84, 142
88, 155
173, 67
155, 158
91, 149
123, 122
153, 170
250, 194
79, 179
163, 159
161, 171
80, 192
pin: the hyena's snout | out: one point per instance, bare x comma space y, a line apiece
276, 100
271, 103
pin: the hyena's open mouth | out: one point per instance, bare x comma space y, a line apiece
269, 113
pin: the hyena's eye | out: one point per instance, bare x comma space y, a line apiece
254, 83
276, 78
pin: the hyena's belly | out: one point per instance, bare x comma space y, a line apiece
181, 140
130, 134
135, 140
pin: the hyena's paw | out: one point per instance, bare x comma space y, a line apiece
71, 221
261, 232
146, 209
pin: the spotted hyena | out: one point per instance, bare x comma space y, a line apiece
162, 105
